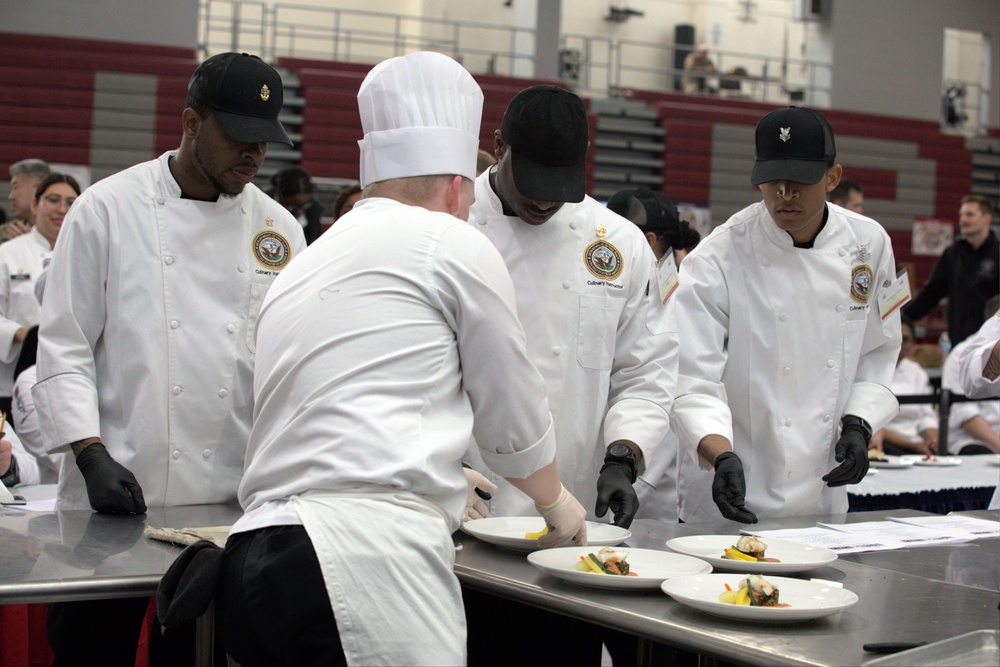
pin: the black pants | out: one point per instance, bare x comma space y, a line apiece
272, 607
105, 633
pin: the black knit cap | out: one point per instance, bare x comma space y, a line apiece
245, 95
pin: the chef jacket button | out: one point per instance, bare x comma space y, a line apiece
230, 328
241, 268
482, 222
790, 473
788, 422
842, 252
223, 393
557, 351
572, 225
177, 390
829, 363
243, 210
766, 262
207, 453
174, 324
567, 284
783, 317
168, 260
827, 418
176, 454
840, 308
818, 472
786, 370
160, 200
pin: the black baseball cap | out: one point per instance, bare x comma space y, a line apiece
648, 210
244, 94
545, 128
793, 144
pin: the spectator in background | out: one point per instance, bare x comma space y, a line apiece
21, 261
915, 429
849, 195
24, 179
973, 426
484, 160
294, 189
697, 61
346, 199
968, 272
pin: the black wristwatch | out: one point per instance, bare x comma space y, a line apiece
11, 477
621, 454
860, 423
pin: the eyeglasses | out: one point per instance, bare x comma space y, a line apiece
56, 200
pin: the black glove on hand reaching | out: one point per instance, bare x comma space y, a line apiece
111, 487
852, 450
729, 489
614, 490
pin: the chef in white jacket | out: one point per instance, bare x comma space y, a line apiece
790, 337
978, 362
388, 342
589, 297
146, 348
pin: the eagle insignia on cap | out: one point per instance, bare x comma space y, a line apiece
271, 250
603, 260
786, 134
861, 283
265, 93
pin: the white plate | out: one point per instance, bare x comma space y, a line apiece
651, 567
794, 557
509, 532
939, 461
993, 459
892, 462
808, 599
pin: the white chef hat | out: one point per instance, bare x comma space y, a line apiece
421, 114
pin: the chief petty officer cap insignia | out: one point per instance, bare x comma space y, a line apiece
603, 260
271, 250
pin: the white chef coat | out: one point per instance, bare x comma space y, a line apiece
776, 350
21, 262
910, 379
25, 418
27, 465
962, 412
972, 358
388, 342
146, 337
606, 346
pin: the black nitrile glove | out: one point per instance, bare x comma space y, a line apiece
111, 487
614, 490
852, 449
729, 488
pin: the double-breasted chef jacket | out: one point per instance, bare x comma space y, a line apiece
21, 262
779, 343
146, 335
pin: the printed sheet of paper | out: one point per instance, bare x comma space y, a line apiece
969, 527
908, 535
834, 540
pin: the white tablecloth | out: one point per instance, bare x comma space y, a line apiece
974, 472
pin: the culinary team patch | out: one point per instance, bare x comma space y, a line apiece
272, 250
603, 260
861, 283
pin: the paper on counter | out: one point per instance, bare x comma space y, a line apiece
908, 535
834, 540
965, 526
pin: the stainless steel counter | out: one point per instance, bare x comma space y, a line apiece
904, 598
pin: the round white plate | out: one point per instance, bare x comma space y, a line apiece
794, 557
939, 461
892, 463
651, 567
509, 532
808, 599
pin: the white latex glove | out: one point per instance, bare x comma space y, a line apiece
475, 508
566, 520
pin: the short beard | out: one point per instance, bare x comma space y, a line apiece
214, 182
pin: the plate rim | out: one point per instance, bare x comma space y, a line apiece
565, 573
524, 544
776, 569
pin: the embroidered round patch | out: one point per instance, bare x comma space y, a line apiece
271, 250
603, 260
861, 283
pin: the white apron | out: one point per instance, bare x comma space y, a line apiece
387, 560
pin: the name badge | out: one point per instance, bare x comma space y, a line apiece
17, 277
666, 275
894, 295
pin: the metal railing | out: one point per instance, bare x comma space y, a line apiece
600, 65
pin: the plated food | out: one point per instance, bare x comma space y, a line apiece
800, 600
607, 561
782, 556
647, 568
754, 591
891, 462
509, 532
748, 548
932, 460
